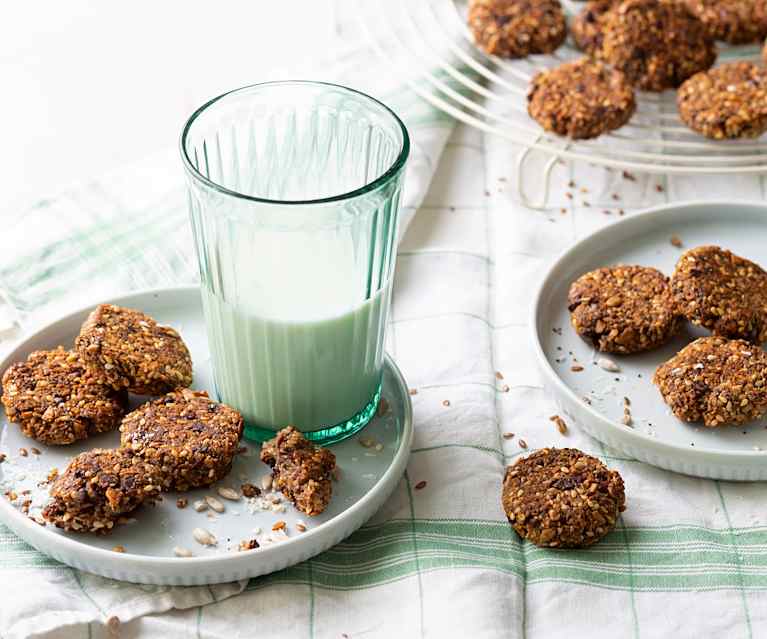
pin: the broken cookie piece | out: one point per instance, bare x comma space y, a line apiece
716, 381
301, 471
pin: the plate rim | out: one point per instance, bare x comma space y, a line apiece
626, 437
311, 540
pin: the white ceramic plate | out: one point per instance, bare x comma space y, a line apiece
657, 437
368, 476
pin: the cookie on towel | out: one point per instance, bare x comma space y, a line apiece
562, 498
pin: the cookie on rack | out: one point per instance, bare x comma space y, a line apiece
658, 44
517, 28
98, 489
734, 21
56, 399
562, 498
300, 470
623, 309
727, 102
191, 439
723, 292
132, 351
581, 99
716, 381
587, 28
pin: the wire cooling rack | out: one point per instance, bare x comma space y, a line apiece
428, 43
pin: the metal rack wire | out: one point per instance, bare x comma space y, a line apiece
428, 43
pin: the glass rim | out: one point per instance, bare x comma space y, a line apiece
385, 177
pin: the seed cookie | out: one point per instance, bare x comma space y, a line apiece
734, 21
300, 470
581, 99
562, 498
623, 309
56, 399
716, 381
587, 28
132, 351
729, 101
98, 489
517, 28
658, 44
722, 292
191, 439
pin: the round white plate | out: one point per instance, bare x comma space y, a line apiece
368, 476
657, 437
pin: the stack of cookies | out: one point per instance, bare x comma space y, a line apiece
649, 45
180, 441
717, 380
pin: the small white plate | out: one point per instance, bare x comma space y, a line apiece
657, 437
368, 477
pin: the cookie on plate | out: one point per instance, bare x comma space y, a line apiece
56, 399
191, 439
132, 351
562, 498
98, 489
517, 28
581, 99
716, 381
658, 44
300, 470
587, 28
734, 21
623, 309
722, 292
729, 101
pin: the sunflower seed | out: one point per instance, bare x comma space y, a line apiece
608, 365
228, 493
200, 505
204, 537
182, 552
214, 503
266, 482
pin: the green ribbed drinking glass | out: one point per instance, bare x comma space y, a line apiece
294, 191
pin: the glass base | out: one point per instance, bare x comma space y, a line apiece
325, 436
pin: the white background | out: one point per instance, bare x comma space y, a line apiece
86, 86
